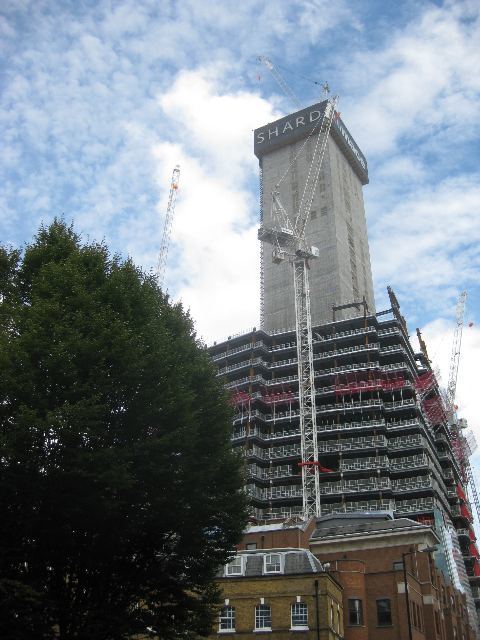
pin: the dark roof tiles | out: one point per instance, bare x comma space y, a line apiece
294, 561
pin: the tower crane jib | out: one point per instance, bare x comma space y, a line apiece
167, 228
280, 81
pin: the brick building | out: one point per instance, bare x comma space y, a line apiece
279, 591
366, 553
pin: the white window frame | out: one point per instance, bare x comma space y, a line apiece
234, 563
258, 607
224, 619
304, 607
281, 563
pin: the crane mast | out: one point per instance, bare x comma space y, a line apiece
287, 237
167, 228
459, 441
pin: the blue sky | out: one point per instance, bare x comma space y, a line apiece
100, 99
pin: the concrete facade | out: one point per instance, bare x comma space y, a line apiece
337, 226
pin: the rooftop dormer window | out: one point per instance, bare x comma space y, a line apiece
273, 563
235, 567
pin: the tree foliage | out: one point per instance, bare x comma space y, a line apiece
120, 495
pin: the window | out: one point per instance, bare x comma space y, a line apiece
299, 615
234, 567
437, 622
227, 619
273, 563
384, 612
251, 545
355, 612
263, 616
413, 610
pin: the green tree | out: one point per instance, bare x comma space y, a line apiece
119, 493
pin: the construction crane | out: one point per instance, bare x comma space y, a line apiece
167, 229
457, 436
280, 81
460, 443
287, 237
284, 86
456, 348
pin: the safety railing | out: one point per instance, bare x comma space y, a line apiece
410, 484
409, 462
365, 424
348, 444
242, 348
252, 362
360, 505
414, 505
369, 462
405, 442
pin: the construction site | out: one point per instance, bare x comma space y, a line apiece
334, 410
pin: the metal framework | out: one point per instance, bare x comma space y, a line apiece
456, 348
280, 81
287, 237
167, 229
459, 442
306, 381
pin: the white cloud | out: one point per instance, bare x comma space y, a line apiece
423, 79
216, 124
214, 261
428, 243
91, 92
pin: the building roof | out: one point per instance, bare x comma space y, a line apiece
294, 561
352, 524
277, 526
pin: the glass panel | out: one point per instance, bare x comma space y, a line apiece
355, 612
299, 614
263, 616
227, 618
272, 563
384, 612
234, 567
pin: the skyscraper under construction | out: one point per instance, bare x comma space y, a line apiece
336, 223
382, 433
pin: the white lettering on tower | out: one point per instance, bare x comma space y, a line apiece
352, 146
272, 132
